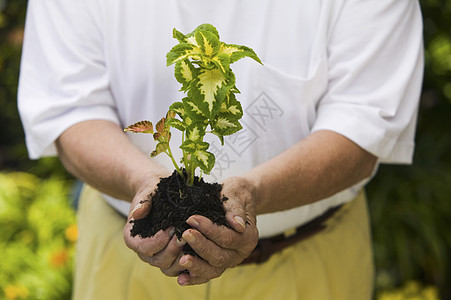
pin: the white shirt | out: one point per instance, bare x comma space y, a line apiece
353, 67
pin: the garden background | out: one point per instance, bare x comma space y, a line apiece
410, 205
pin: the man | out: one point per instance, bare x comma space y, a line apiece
338, 94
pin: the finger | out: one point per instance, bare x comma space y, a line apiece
168, 259
148, 246
140, 210
165, 259
225, 237
239, 206
211, 252
198, 271
221, 235
235, 216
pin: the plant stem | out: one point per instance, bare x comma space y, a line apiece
185, 157
169, 153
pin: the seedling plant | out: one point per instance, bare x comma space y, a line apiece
202, 66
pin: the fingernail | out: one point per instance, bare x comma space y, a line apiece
138, 206
189, 237
185, 262
180, 242
182, 281
240, 221
171, 232
193, 222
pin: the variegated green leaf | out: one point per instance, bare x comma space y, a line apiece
178, 108
202, 145
140, 127
195, 132
207, 27
208, 42
236, 52
181, 52
231, 108
210, 88
205, 160
188, 146
160, 148
222, 125
185, 72
222, 62
191, 146
192, 41
188, 121
176, 124
193, 109
179, 36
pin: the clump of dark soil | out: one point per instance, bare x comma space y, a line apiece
174, 202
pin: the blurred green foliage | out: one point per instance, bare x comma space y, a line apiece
412, 290
37, 237
410, 205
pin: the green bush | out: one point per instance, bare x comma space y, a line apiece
37, 237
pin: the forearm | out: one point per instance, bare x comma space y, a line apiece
315, 168
99, 153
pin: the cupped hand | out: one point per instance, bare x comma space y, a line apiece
220, 247
162, 250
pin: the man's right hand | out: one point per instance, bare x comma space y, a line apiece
162, 250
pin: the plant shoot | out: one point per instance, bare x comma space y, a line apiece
202, 66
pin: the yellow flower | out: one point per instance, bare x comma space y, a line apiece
72, 233
13, 292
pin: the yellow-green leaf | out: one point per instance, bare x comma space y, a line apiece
193, 110
222, 61
184, 72
206, 88
178, 108
236, 52
179, 36
176, 124
224, 126
188, 146
195, 132
181, 52
160, 148
208, 42
205, 160
223, 123
208, 27
231, 108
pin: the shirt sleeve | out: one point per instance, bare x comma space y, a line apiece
375, 56
63, 77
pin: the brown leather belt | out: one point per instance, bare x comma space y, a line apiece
268, 246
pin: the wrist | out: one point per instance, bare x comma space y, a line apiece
147, 181
254, 179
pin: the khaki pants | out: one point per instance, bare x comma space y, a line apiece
334, 264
